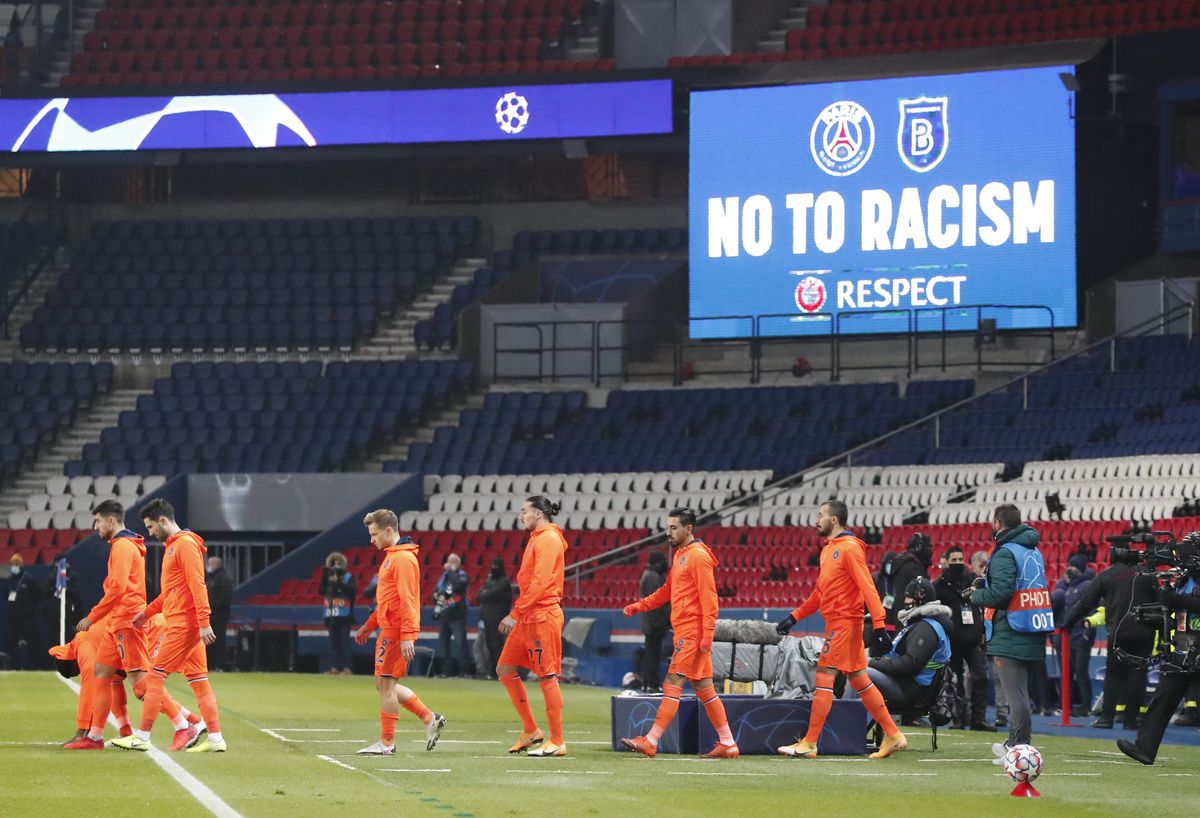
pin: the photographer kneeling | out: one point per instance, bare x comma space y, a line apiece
922, 647
1179, 610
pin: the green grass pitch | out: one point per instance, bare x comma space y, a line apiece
292, 738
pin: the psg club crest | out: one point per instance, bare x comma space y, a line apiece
810, 294
842, 138
924, 132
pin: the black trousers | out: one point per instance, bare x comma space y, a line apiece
1081, 680
652, 658
495, 643
1172, 687
1124, 684
970, 661
216, 651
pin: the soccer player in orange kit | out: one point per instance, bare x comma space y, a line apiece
534, 628
844, 586
397, 614
119, 645
183, 601
692, 591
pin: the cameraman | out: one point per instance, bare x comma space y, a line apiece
967, 654
905, 568
1118, 588
1181, 667
450, 607
337, 586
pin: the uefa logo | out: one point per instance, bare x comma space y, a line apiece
842, 139
512, 113
810, 294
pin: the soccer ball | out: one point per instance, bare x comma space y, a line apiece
512, 113
1023, 763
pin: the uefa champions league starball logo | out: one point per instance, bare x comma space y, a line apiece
512, 113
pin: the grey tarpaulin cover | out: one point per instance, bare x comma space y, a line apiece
746, 631
797, 668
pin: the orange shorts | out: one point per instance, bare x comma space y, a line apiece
688, 660
389, 662
536, 645
124, 649
843, 649
179, 650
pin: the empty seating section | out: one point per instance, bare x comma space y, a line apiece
39, 546
781, 429
67, 502
858, 28
37, 400
269, 417
438, 331
587, 501
1131, 488
879, 497
266, 285
477, 549
177, 42
1150, 404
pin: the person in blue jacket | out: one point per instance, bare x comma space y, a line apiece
921, 648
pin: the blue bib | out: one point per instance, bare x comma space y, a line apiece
941, 655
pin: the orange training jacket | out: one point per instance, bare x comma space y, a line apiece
398, 593
125, 586
183, 598
691, 588
844, 585
541, 576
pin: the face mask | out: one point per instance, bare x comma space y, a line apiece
956, 571
15, 570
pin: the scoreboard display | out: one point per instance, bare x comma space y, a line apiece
882, 205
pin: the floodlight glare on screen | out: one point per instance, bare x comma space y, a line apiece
882, 206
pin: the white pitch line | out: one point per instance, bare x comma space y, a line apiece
332, 760
886, 775
307, 729
394, 770
717, 773
194, 786
30, 744
1174, 775
562, 772
275, 735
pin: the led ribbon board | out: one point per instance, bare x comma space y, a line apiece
338, 118
895, 200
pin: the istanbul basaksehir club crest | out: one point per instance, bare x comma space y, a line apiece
842, 138
810, 294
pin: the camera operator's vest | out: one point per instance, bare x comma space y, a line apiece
1029, 608
1187, 623
941, 654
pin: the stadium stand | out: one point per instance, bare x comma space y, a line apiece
528, 245
261, 284
851, 28
171, 42
40, 399
269, 417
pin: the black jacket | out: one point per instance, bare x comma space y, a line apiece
495, 598
1118, 587
919, 645
453, 586
950, 593
220, 592
339, 586
658, 620
905, 568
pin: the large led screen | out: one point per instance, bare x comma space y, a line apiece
882, 205
336, 118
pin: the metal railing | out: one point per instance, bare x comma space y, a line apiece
609, 358
585, 568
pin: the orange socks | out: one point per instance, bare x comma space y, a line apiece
152, 703
552, 694
387, 727
207, 701
667, 709
101, 698
822, 703
83, 706
516, 691
872, 699
716, 714
119, 703
415, 706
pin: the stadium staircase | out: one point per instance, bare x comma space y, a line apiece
449, 417
793, 18
85, 21
67, 446
395, 339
